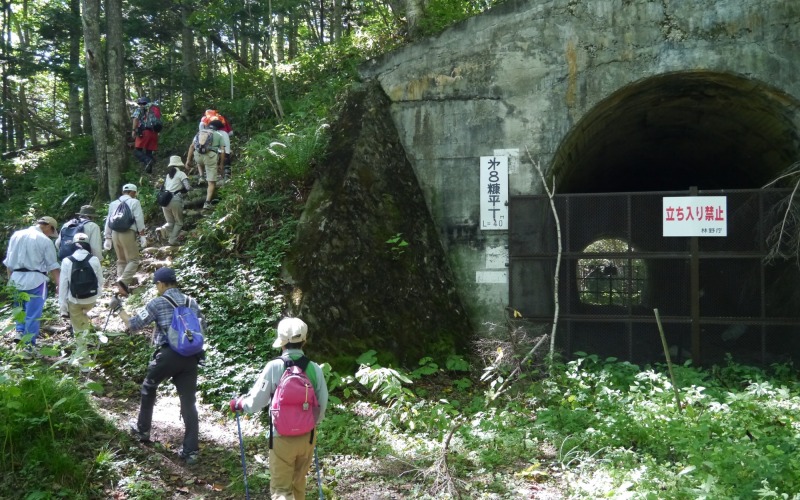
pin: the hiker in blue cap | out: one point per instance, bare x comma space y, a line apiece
166, 363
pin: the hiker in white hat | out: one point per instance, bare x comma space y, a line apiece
292, 435
125, 221
170, 198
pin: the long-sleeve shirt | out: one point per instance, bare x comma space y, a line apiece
64, 294
92, 230
32, 250
136, 210
262, 391
159, 311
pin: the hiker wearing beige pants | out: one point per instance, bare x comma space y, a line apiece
123, 235
290, 454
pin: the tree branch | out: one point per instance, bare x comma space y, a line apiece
226, 49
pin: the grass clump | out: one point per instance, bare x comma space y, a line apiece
52, 436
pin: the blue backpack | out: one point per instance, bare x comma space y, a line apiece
185, 334
67, 246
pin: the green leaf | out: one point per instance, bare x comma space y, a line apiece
95, 387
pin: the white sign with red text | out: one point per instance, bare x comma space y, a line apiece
695, 216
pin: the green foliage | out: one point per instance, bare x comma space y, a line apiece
440, 14
54, 182
609, 408
285, 159
397, 245
50, 434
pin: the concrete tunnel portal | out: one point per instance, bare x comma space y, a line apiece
674, 131
668, 133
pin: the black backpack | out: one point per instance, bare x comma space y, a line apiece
83, 281
122, 218
68, 232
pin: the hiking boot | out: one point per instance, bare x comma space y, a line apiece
124, 291
135, 432
207, 205
191, 458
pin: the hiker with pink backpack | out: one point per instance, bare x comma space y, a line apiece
295, 390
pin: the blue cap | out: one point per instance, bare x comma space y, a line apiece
164, 275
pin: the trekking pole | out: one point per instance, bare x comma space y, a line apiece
241, 448
108, 318
319, 479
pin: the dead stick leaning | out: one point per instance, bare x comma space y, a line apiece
669, 361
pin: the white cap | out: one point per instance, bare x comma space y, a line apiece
290, 331
129, 187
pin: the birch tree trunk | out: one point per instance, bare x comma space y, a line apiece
118, 125
95, 74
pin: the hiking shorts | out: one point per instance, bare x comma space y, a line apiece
208, 162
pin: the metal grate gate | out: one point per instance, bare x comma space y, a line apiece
715, 295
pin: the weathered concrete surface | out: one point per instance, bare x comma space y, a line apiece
593, 90
368, 267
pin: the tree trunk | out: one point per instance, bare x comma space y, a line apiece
280, 36
86, 116
19, 123
279, 108
118, 125
415, 11
6, 65
292, 35
95, 74
73, 79
23, 37
336, 21
189, 65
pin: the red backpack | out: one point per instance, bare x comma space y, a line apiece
294, 408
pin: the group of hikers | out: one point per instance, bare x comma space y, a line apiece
209, 150
293, 387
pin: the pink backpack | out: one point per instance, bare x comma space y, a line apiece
294, 408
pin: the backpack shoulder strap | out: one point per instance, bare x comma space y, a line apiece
170, 300
73, 259
302, 362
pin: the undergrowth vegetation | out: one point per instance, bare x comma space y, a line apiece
588, 428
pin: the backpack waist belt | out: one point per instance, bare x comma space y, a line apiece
23, 270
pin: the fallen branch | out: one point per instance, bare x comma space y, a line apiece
519, 367
443, 482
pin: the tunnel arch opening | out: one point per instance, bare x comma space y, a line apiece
673, 131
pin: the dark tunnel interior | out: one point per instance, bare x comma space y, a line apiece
674, 131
